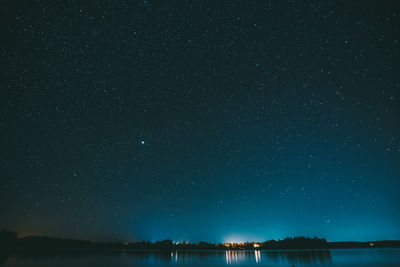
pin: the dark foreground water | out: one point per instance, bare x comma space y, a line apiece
339, 257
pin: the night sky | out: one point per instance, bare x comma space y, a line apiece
200, 120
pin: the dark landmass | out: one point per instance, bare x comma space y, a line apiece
9, 242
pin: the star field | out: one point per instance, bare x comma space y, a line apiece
200, 120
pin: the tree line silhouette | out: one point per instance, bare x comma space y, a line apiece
9, 241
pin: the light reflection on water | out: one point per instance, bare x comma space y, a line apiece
257, 255
346, 257
243, 257
233, 256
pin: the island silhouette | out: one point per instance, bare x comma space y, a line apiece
9, 241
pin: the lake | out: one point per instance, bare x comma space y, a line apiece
336, 257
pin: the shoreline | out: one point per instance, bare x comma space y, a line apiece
28, 250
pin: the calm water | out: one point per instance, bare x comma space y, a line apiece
345, 257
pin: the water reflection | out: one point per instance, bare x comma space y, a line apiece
301, 257
228, 257
257, 255
305, 257
375, 257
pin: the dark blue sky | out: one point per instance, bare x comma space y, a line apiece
203, 120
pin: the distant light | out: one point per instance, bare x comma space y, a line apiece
256, 245
126, 243
371, 244
142, 142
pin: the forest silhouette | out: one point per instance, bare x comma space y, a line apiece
9, 241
